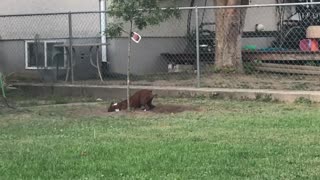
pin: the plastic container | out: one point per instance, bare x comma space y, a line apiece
309, 45
250, 47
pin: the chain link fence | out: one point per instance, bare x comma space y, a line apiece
251, 47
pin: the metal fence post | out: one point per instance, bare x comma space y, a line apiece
197, 46
71, 46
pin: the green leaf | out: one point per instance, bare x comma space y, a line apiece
114, 29
142, 13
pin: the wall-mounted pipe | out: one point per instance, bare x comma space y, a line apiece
103, 26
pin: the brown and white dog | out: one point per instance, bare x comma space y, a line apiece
142, 98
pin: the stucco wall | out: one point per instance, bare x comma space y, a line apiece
12, 56
146, 58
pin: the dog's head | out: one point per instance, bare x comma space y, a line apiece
114, 107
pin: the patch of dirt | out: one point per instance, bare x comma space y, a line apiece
159, 109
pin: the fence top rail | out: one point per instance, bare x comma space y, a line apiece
179, 8
253, 6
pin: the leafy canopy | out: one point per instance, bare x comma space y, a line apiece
140, 13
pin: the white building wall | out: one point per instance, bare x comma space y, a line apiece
46, 6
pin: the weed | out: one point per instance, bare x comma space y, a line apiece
303, 100
264, 97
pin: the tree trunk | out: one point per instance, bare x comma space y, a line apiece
229, 28
128, 68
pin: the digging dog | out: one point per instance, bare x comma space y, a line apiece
142, 98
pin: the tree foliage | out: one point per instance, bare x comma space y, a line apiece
140, 13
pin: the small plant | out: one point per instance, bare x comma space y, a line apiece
250, 68
3, 87
303, 100
214, 96
201, 96
185, 95
227, 70
61, 100
5, 80
264, 97
300, 86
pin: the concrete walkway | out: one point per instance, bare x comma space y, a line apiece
114, 91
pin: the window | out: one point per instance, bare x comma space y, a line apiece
44, 55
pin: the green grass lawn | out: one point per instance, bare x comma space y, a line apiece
220, 140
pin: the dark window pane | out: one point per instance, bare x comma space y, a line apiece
35, 54
55, 55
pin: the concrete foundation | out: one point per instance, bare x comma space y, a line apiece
119, 92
